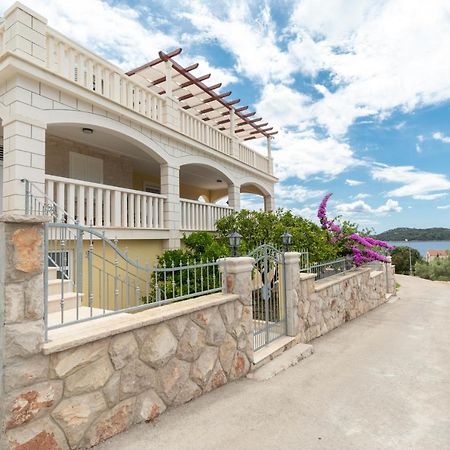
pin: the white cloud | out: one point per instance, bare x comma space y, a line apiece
360, 206
294, 192
283, 106
441, 137
113, 31
443, 207
415, 183
250, 35
430, 196
373, 67
306, 213
218, 74
252, 202
418, 148
351, 182
400, 125
361, 196
302, 155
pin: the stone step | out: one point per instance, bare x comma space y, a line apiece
282, 362
55, 286
52, 273
70, 302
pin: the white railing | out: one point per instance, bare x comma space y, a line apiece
77, 64
253, 158
201, 216
101, 205
68, 59
199, 130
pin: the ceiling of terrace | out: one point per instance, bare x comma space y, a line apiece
199, 98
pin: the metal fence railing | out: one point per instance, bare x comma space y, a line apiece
329, 268
87, 276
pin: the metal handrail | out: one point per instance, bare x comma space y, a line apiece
30, 197
117, 283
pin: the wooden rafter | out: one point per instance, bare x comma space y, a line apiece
216, 100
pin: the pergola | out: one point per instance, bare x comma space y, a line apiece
164, 75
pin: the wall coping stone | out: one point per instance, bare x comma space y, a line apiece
336, 279
75, 335
376, 273
236, 264
306, 276
20, 218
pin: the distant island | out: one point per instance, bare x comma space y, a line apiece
415, 234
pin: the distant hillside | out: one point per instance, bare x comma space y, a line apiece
415, 234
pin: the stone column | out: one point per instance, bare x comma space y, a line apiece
237, 279
292, 272
170, 187
22, 324
234, 197
234, 139
390, 278
24, 158
25, 33
269, 203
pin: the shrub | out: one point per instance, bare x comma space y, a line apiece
257, 227
400, 258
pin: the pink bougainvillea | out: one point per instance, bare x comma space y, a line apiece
360, 246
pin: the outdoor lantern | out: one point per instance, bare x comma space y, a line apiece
286, 238
234, 239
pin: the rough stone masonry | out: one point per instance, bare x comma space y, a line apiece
80, 396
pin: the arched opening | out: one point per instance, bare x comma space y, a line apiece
103, 178
201, 180
95, 155
255, 197
201, 187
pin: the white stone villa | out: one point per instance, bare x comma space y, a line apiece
145, 155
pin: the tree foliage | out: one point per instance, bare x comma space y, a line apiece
400, 258
416, 234
257, 227
436, 270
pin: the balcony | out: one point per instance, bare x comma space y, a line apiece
111, 207
82, 68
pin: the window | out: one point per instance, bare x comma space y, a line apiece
86, 168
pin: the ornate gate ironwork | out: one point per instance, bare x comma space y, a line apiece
268, 295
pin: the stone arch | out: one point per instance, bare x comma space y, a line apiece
135, 137
207, 162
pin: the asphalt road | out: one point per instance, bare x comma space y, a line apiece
381, 381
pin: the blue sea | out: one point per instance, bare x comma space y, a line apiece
423, 246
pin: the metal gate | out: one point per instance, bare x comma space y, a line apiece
268, 295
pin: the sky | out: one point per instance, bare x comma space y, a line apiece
359, 90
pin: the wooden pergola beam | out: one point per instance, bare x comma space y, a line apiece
156, 61
214, 96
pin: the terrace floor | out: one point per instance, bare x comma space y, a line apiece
378, 382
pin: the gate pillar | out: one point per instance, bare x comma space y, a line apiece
237, 279
292, 271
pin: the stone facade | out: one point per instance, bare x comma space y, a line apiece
89, 391
96, 382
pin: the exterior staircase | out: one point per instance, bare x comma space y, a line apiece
56, 287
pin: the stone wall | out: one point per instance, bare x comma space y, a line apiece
117, 170
82, 390
326, 304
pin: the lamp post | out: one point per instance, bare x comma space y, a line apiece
234, 240
286, 239
410, 262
